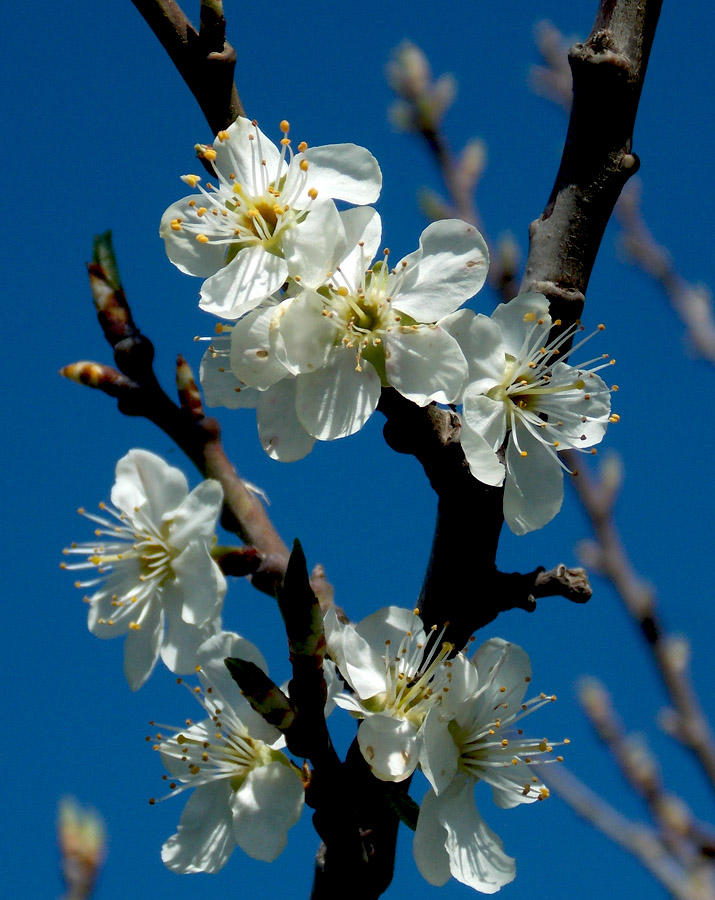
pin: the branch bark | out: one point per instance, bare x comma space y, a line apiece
608, 72
204, 59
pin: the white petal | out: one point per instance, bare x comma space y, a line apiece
391, 623
534, 488
390, 746
449, 268
424, 363
141, 647
481, 342
200, 584
315, 246
180, 643
362, 227
241, 285
308, 336
476, 854
345, 172
483, 461
516, 321
509, 666
242, 155
145, 481
267, 804
220, 386
189, 255
282, 435
428, 846
485, 416
205, 838
362, 664
196, 517
438, 754
253, 359
337, 400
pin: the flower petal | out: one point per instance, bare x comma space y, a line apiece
518, 319
187, 254
282, 435
253, 359
267, 804
476, 854
141, 646
345, 172
220, 386
438, 754
483, 461
390, 746
196, 516
534, 488
363, 233
449, 267
481, 342
244, 154
145, 482
337, 400
240, 286
315, 246
205, 837
307, 334
425, 363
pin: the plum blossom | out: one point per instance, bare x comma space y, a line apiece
160, 586
397, 674
368, 326
246, 792
271, 215
484, 744
524, 403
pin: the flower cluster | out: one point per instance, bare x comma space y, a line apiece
423, 705
320, 328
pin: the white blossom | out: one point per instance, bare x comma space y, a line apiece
397, 675
245, 789
159, 585
485, 743
524, 403
269, 216
368, 326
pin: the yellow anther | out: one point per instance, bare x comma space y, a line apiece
303, 165
202, 239
223, 136
285, 142
135, 626
302, 147
343, 291
524, 454
601, 327
544, 793
237, 188
312, 193
557, 322
614, 418
285, 126
209, 153
191, 180
505, 743
175, 225
201, 211
529, 317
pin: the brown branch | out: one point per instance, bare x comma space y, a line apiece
692, 302
608, 557
608, 72
138, 393
204, 59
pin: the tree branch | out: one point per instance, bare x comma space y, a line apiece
138, 393
608, 72
204, 59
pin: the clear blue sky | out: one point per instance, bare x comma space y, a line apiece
98, 127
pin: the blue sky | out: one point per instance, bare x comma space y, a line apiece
99, 123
